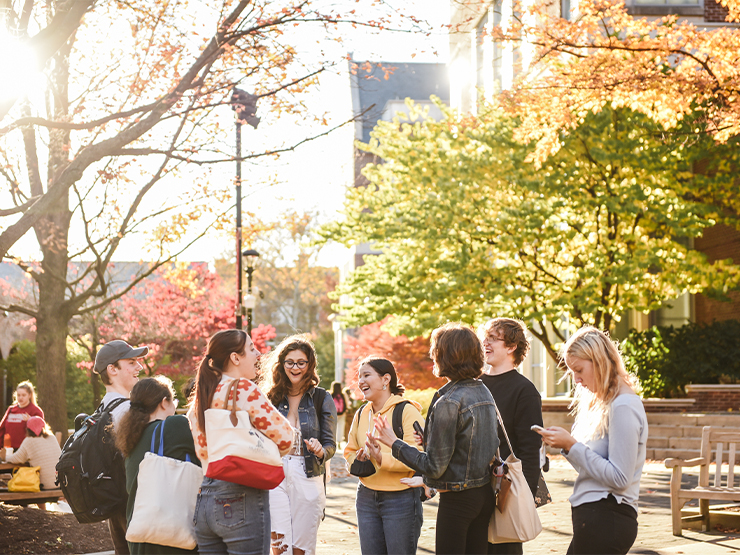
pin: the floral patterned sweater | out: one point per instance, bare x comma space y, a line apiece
263, 415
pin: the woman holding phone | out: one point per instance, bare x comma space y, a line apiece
389, 511
607, 445
461, 439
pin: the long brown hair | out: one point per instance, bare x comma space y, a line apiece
211, 368
145, 397
275, 381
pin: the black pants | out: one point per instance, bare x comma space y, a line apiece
506, 548
602, 527
462, 521
117, 527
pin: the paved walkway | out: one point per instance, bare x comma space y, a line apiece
338, 532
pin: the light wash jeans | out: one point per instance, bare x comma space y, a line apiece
389, 521
231, 518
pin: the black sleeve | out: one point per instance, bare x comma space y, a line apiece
528, 412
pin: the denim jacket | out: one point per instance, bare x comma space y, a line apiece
460, 435
321, 424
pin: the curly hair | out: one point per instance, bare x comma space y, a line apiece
275, 381
146, 395
513, 332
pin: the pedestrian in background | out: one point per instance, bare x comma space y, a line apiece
297, 504
229, 517
606, 447
389, 511
341, 403
461, 440
13, 424
519, 403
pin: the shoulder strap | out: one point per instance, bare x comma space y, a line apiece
112, 405
319, 396
398, 418
359, 411
501, 423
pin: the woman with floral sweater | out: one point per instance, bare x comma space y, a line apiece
229, 517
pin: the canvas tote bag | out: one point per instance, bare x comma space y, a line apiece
165, 499
237, 452
517, 519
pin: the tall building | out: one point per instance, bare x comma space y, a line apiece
379, 92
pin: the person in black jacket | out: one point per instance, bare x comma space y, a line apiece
518, 401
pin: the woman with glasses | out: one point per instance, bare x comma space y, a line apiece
297, 504
153, 402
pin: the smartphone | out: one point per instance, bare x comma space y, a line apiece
418, 429
538, 429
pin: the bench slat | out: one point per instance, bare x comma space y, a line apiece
731, 471
31, 495
718, 470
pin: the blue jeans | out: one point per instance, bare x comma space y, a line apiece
231, 518
389, 521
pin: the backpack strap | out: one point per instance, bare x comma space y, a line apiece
398, 418
319, 396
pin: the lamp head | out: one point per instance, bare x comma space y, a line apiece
245, 106
250, 255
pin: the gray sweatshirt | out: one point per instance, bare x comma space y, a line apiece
613, 463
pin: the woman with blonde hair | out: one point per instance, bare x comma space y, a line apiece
230, 517
24, 407
297, 504
606, 445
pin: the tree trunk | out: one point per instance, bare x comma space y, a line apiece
52, 231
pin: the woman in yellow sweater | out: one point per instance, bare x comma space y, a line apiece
389, 511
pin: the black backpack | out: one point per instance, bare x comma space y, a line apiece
91, 471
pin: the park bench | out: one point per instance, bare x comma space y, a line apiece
723, 442
30, 497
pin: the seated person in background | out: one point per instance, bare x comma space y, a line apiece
24, 407
40, 448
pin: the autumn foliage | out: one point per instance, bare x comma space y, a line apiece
174, 313
409, 356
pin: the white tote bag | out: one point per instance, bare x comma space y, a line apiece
519, 521
237, 452
165, 500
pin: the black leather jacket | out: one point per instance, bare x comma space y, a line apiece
461, 438
320, 423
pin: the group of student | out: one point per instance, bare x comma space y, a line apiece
401, 457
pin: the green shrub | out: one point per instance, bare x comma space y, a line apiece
666, 359
421, 396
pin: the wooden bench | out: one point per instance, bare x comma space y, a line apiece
723, 442
30, 497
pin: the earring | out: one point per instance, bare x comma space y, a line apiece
384, 388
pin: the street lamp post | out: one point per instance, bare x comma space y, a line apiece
245, 106
250, 256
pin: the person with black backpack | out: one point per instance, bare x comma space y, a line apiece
91, 470
389, 510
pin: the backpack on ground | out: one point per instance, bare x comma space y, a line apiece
91, 471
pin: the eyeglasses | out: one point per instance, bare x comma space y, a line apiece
301, 364
493, 339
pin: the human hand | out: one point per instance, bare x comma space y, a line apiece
25, 416
386, 435
413, 482
419, 438
362, 455
373, 449
558, 438
314, 446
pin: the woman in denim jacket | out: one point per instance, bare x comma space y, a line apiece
297, 504
461, 438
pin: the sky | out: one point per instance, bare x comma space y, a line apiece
315, 176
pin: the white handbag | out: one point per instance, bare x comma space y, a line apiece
237, 452
165, 499
519, 521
